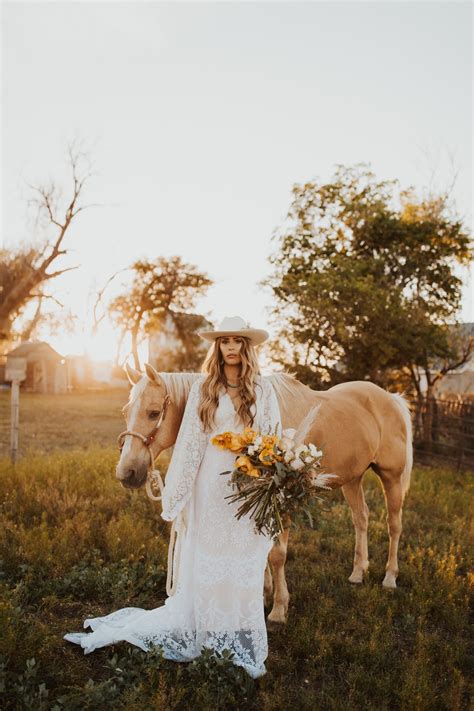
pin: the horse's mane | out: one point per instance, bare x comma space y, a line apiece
285, 385
178, 385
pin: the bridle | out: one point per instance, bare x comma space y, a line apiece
153, 475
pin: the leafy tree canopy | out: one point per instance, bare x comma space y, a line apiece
364, 280
159, 286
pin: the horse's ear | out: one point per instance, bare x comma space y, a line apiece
153, 374
133, 375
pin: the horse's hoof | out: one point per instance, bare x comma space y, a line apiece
274, 625
356, 578
276, 619
389, 582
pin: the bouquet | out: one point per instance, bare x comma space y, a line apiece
274, 478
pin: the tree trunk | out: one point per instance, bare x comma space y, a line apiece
119, 349
136, 359
428, 418
134, 335
5, 328
29, 329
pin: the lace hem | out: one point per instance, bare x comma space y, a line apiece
248, 646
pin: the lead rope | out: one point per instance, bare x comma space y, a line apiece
174, 545
178, 529
176, 533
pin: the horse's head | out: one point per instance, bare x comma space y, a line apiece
149, 403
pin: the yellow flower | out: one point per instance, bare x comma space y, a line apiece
245, 465
269, 441
248, 435
266, 456
222, 440
228, 440
235, 443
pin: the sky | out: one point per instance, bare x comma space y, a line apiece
200, 117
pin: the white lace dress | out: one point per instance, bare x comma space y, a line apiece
218, 600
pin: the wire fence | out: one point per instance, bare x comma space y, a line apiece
444, 432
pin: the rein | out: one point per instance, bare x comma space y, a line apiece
154, 478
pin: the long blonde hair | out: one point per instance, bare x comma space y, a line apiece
213, 366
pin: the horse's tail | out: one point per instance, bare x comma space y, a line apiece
405, 412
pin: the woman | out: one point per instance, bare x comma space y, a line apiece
220, 561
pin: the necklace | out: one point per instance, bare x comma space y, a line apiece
229, 385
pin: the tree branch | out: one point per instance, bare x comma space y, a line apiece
463, 359
60, 271
35, 273
100, 294
48, 296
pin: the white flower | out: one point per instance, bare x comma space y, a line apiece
308, 459
301, 449
286, 443
296, 464
288, 456
257, 441
315, 451
252, 449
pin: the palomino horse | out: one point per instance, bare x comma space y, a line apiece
357, 425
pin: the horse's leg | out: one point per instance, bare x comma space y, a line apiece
267, 585
354, 495
281, 597
394, 498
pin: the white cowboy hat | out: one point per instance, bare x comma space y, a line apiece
235, 326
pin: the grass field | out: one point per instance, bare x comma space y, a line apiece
74, 544
54, 422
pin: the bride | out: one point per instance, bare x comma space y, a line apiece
218, 597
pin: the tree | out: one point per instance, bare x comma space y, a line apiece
26, 272
181, 349
364, 281
159, 287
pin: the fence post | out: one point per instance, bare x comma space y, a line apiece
15, 419
15, 371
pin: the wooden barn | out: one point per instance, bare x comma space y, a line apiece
45, 368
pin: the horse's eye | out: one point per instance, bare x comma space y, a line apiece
154, 414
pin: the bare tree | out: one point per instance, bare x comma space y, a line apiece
25, 272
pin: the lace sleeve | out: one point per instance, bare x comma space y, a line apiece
271, 416
187, 455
